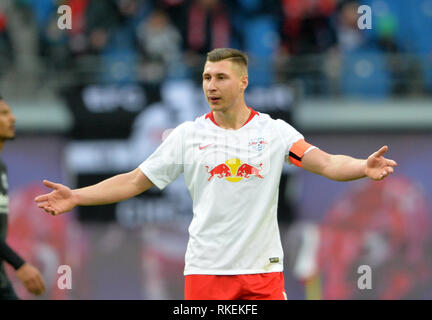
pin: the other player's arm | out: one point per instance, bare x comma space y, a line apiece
29, 275
115, 189
346, 168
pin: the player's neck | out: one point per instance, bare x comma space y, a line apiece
233, 118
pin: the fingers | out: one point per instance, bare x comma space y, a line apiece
31, 278
382, 176
50, 184
385, 173
381, 151
391, 163
31, 286
43, 204
382, 166
47, 207
380, 173
40, 285
35, 285
41, 198
51, 211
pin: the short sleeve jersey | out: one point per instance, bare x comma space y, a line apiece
233, 178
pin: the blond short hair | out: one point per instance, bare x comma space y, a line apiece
237, 57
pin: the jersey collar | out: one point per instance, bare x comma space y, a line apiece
253, 114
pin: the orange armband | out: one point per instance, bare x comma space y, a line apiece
297, 152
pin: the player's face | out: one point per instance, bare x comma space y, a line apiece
223, 84
7, 122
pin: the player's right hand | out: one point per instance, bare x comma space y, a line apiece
60, 200
31, 278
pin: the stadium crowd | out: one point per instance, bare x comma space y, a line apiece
309, 41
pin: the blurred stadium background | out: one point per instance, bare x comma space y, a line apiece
95, 100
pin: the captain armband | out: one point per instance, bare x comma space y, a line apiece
298, 150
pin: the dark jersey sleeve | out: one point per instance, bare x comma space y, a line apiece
7, 254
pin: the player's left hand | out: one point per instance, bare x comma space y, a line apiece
378, 167
31, 278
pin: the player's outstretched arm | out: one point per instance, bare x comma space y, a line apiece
115, 189
345, 168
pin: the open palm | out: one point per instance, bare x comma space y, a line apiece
378, 167
60, 200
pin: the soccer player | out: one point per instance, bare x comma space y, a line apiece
26, 273
232, 161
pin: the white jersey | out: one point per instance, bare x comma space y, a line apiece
233, 177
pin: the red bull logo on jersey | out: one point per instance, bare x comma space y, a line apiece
234, 170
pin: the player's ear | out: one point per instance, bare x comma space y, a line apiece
244, 82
